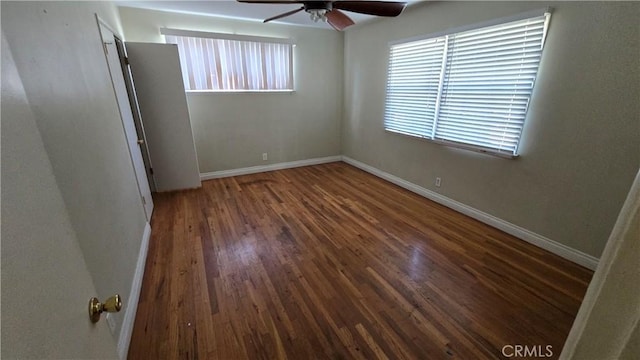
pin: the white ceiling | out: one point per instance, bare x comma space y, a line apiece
234, 9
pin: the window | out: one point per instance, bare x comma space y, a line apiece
229, 62
469, 89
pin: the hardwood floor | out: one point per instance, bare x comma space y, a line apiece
328, 261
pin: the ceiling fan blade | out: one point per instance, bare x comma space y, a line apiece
378, 8
338, 19
284, 15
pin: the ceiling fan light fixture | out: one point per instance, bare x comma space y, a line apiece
318, 14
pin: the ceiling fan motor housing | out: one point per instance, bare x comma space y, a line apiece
309, 6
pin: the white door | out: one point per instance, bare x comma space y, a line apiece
117, 78
45, 282
163, 104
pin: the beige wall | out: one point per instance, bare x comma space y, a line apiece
59, 56
233, 130
579, 151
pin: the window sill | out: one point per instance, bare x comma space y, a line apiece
240, 91
459, 145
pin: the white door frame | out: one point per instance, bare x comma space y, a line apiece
126, 116
135, 109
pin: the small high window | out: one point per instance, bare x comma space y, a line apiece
227, 62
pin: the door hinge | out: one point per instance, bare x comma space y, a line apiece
151, 171
144, 201
126, 60
104, 45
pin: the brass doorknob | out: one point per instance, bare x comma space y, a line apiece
113, 304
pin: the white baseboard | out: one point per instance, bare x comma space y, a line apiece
134, 295
555, 247
270, 167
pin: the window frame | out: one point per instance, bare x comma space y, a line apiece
238, 37
493, 22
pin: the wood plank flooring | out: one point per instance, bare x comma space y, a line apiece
328, 261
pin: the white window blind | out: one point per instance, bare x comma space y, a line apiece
469, 88
232, 62
412, 89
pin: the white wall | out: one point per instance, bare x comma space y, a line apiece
59, 56
579, 151
45, 282
233, 130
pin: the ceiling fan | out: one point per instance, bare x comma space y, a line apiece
330, 11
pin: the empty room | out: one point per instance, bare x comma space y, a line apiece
261, 179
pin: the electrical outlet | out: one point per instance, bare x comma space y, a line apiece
438, 182
111, 321
265, 156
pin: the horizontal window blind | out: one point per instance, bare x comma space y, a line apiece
412, 87
209, 63
471, 88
